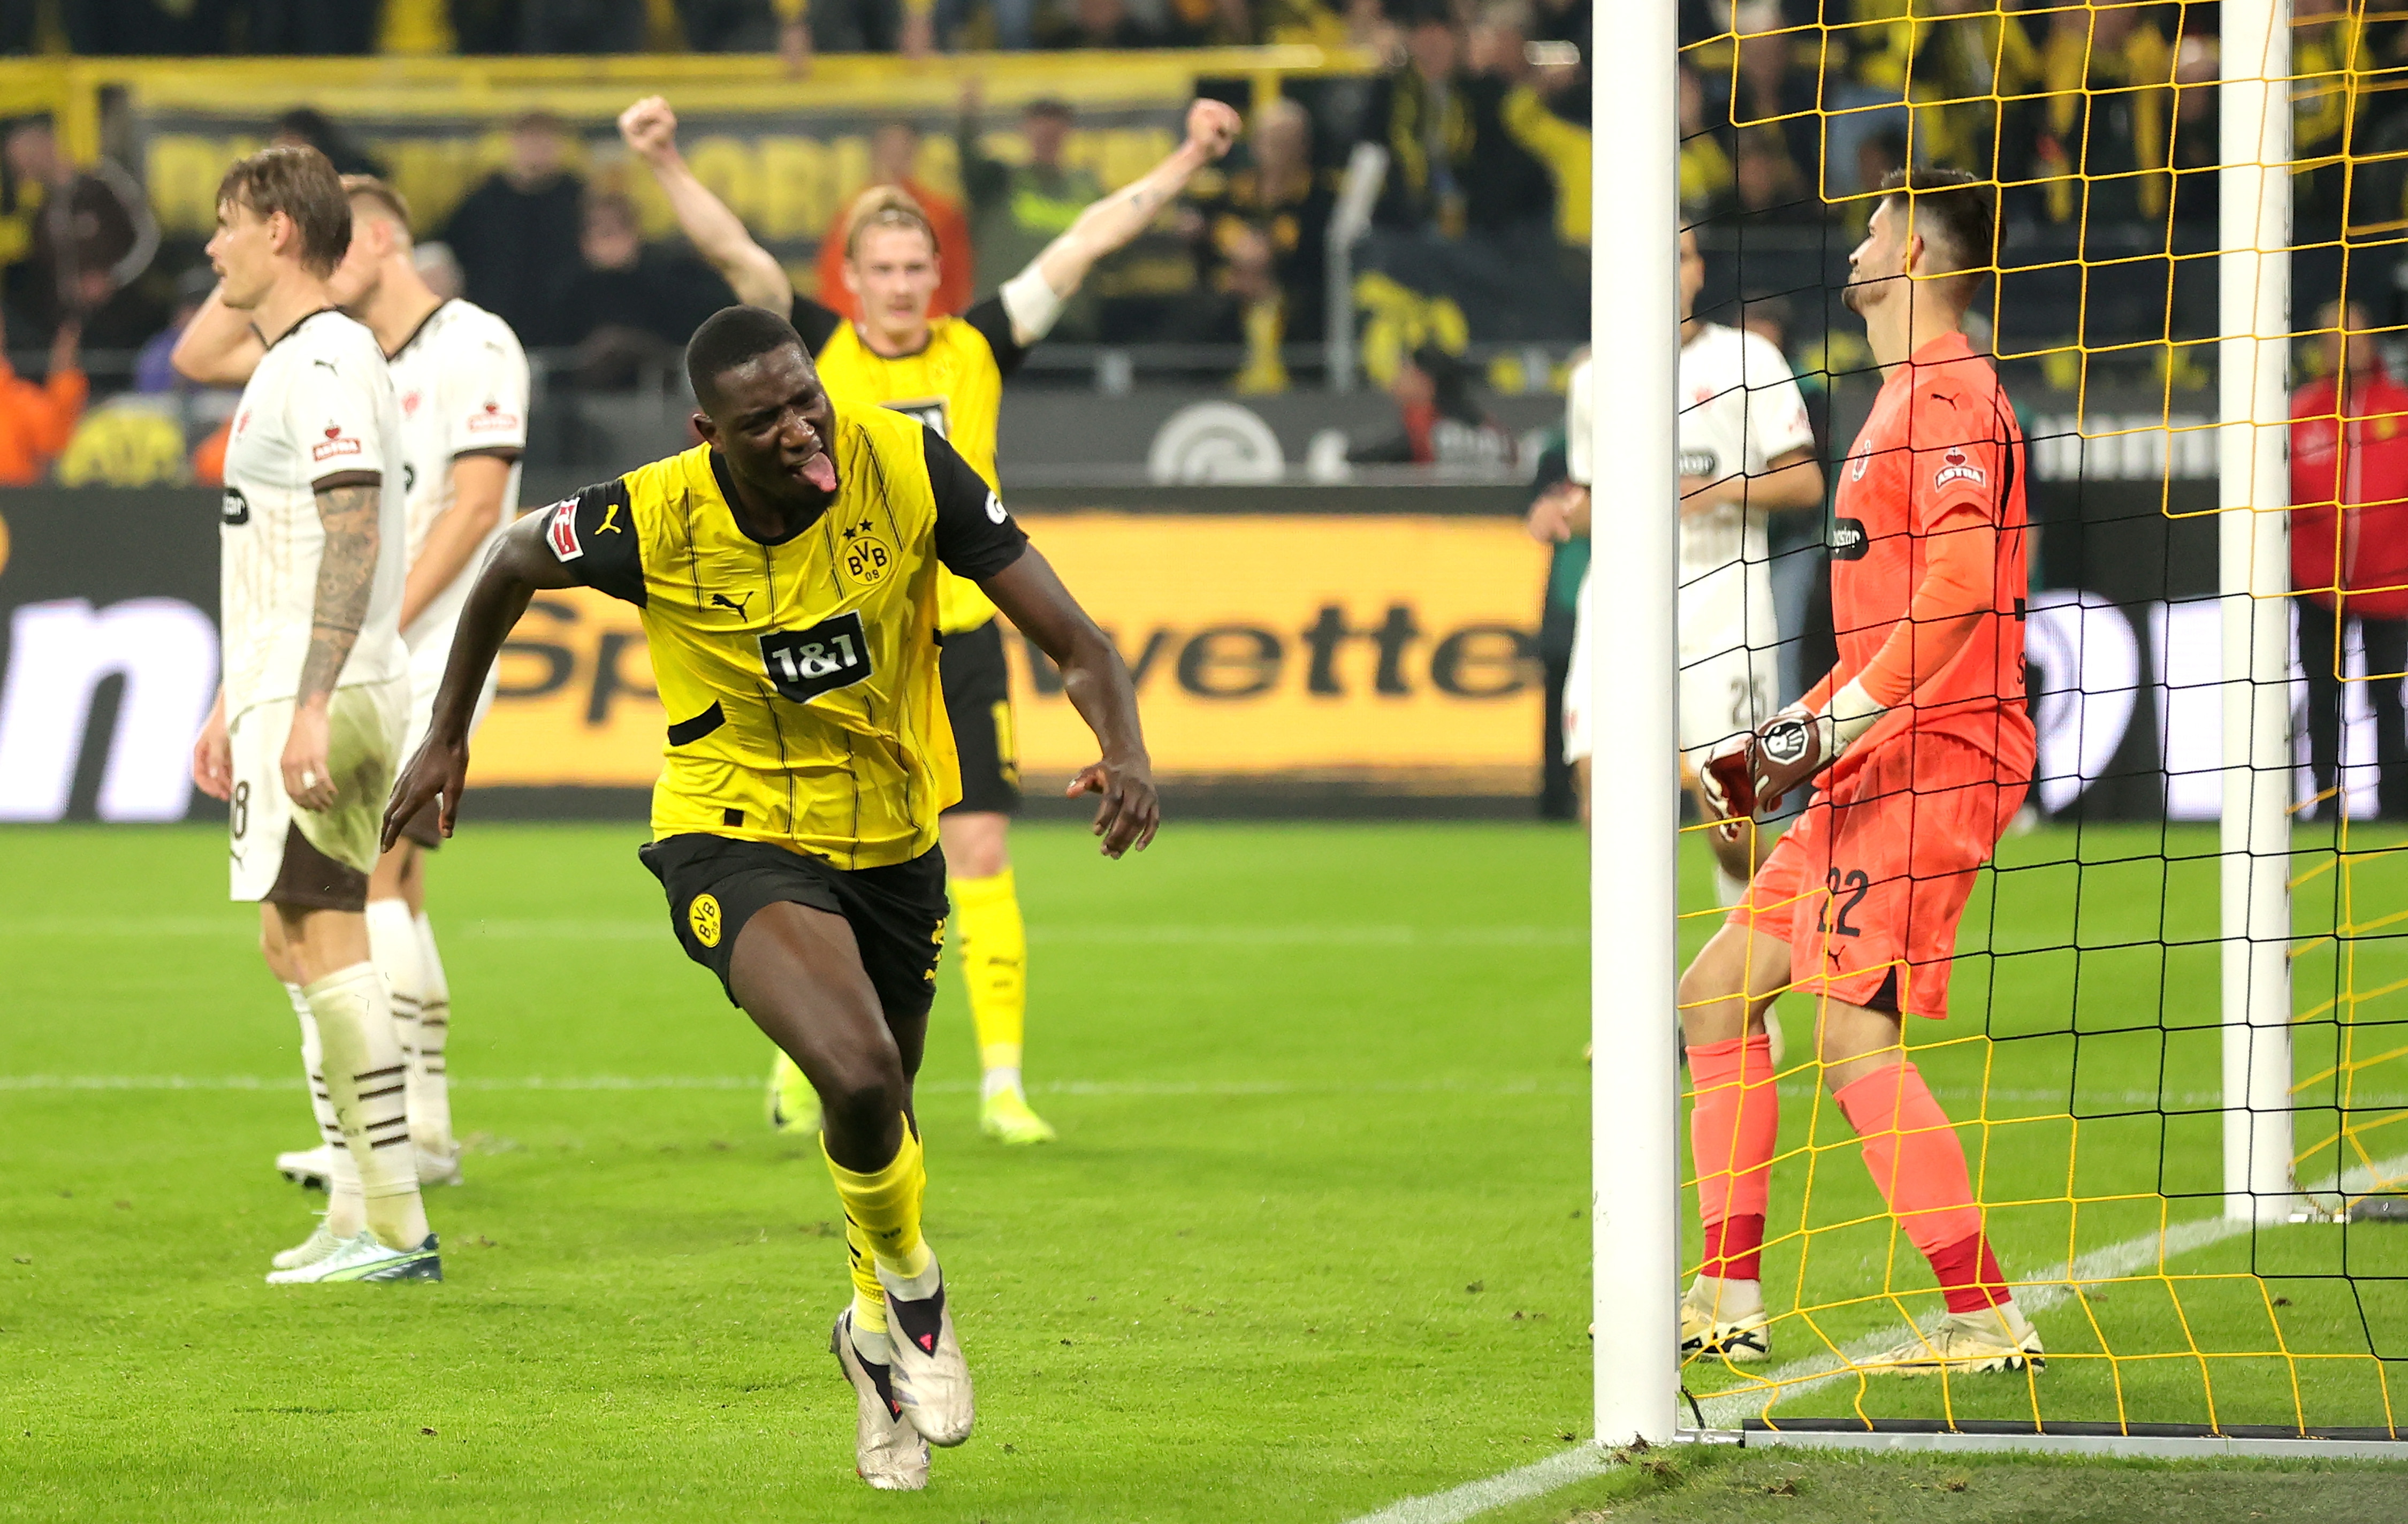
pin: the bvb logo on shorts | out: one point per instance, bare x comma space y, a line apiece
703, 915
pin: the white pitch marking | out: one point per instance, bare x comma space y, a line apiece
1475, 1498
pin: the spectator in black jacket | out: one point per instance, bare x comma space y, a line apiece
629, 307
512, 232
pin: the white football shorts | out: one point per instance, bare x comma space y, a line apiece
363, 731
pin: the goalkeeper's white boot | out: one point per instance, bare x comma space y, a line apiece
1967, 1344
887, 1452
312, 1169
319, 1244
1711, 1327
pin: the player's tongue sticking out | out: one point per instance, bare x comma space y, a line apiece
819, 472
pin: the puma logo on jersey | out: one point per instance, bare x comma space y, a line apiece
721, 600
610, 525
1955, 467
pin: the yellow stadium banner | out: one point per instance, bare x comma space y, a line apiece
1394, 651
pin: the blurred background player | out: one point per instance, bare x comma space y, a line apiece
948, 372
461, 380
305, 734
1747, 451
795, 823
1920, 749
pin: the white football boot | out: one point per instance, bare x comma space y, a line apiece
887, 1452
435, 1169
319, 1244
932, 1380
312, 1169
365, 1259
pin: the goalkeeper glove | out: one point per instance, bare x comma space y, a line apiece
1798, 743
1792, 747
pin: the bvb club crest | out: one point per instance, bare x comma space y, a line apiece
866, 557
703, 915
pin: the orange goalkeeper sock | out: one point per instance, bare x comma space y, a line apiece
1732, 1125
1919, 1166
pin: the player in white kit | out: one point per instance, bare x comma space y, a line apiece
1747, 451
305, 736
462, 380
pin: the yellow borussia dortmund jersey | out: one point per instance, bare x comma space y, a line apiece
954, 383
800, 677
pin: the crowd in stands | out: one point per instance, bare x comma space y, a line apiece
2086, 114
2096, 117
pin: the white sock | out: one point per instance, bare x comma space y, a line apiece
393, 943
366, 1085
345, 1215
1725, 1301
430, 1115
1726, 888
997, 1080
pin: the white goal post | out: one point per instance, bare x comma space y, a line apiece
2253, 546
1634, 843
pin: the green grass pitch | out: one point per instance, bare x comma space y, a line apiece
1314, 1238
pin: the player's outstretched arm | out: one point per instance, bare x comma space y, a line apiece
649, 127
520, 567
219, 347
1097, 684
1034, 296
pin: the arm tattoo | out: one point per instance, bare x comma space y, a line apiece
346, 576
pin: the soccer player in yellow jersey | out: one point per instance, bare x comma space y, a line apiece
948, 372
787, 569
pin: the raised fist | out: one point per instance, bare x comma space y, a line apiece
1213, 127
649, 127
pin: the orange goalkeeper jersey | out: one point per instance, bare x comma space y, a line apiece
1940, 454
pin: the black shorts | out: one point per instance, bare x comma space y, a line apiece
716, 884
977, 700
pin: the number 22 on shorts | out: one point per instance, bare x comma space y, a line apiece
1856, 884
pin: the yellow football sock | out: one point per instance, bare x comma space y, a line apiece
994, 965
882, 1209
868, 1297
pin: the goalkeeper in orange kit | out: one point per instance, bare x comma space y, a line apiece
1918, 749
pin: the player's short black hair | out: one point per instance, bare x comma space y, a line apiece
1961, 210
726, 339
